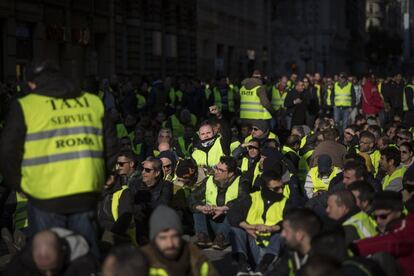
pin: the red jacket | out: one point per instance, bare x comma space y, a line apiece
399, 243
371, 99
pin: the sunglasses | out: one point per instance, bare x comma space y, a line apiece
121, 164
251, 147
147, 170
382, 216
255, 129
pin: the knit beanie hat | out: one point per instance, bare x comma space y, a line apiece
163, 218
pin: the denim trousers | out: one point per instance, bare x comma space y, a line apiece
205, 224
243, 243
341, 116
83, 223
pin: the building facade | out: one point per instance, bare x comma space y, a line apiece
232, 37
316, 36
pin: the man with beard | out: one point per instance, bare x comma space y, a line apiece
211, 201
168, 253
300, 226
256, 223
211, 147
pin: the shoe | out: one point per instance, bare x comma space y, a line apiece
220, 242
244, 269
203, 241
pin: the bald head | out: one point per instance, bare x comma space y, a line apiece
163, 147
46, 253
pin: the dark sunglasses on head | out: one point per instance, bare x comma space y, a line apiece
121, 164
147, 170
382, 216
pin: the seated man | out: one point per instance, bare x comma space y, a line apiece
57, 251
152, 190
251, 156
211, 147
168, 253
319, 177
211, 200
255, 223
342, 208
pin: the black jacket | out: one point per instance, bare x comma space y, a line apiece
12, 146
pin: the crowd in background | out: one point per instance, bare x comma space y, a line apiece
306, 175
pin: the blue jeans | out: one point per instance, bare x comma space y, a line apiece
81, 223
203, 223
341, 116
243, 243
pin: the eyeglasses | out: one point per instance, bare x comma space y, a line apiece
147, 170
218, 169
382, 216
255, 128
121, 164
168, 166
252, 148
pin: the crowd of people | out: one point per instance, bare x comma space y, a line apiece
296, 176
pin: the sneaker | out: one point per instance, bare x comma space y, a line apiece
220, 242
203, 241
244, 269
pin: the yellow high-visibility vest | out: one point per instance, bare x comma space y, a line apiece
343, 96
250, 106
232, 191
63, 150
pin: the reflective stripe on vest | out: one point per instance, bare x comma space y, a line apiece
363, 224
211, 194
398, 173
278, 99
304, 165
250, 106
20, 215
321, 184
63, 136
274, 214
343, 96
212, 157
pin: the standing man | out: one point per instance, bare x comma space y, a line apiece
343, 97
254, 102
54, 146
